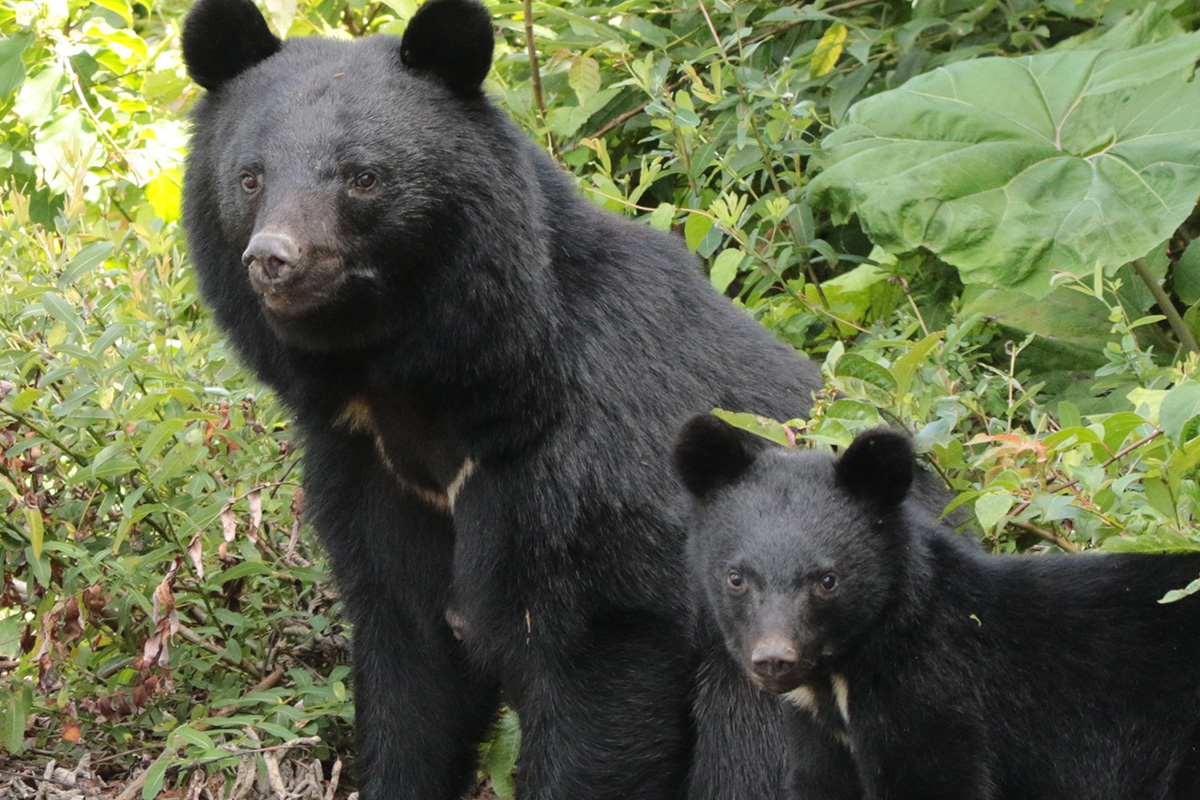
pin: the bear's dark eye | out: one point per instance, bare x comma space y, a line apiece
364, 181
735, 580
827, 583
250, 182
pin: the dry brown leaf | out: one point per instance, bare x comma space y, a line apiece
194, 551
228, 522
72, 623
156, 649
94, 601
256, 514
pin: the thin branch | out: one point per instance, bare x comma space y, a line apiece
534, 72
1049, 536
1186, 340
633, 112
304, 741
712, 28
200, 641
55, 781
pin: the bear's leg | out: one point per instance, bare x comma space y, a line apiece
612, 724
420, 710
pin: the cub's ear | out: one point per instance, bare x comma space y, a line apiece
710, 454
224, 38
878, 465
451, 40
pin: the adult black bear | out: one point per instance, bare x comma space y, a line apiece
952, 674
487, 373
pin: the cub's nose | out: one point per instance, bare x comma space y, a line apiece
274, 255
773, 658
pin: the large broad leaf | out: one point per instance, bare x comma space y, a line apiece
1014, 168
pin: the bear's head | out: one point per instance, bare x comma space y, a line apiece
796, 554
330, 182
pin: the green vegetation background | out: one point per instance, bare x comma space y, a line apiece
161, 604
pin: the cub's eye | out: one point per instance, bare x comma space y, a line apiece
828, 583
364, 181
735, 580
250, 182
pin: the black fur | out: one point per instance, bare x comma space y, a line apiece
952, 674
486, 371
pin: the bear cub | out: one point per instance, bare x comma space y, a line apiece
951, 674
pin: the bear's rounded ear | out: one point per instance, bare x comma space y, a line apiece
451, 40
710, 454
224, 38
879, 464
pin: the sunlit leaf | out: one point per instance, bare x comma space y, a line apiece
12, 69
724, 268
829, 50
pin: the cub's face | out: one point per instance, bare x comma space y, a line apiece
795, 554
790, 569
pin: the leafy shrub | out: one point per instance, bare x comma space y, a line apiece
157, 592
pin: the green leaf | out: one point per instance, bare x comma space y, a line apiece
40, 94
165, 195
1179, 407
990, 508
1014, 168
154, 777
584, 77
662, 217
163, 431
1158, 495
1117, 428
20, 702
1186, 275
935, 434
864, 414
500, 754
696, 228
62, 311
1094, 9
121, 7
87, 259
725, 268
1071, 324
245, 569
1178, 594
186, 734
907, 364
763, 426
12, 69
863, 379
281, 12
33, 522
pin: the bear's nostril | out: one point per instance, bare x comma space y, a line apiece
276, 254
773, 658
